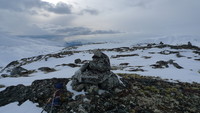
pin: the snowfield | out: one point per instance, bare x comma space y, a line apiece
26, 107
13, 48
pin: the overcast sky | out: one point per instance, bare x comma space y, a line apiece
93, 18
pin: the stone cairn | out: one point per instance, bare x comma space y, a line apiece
95, 75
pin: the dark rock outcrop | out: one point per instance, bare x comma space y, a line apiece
39, 91
96, 72
165, 64
18, 71
11, 94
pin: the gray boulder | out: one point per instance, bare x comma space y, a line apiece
18, 71
96, 72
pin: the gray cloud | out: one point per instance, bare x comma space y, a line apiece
83, 31
90, 11
131, 16
33, 6
59, 8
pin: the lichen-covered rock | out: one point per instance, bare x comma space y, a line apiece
39, 91
96, 72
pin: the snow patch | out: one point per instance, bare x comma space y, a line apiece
76, 93
26, 107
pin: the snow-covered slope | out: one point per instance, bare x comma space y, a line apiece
125, 57
27, 107
14, 48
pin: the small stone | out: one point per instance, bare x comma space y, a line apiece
157, 111
135, 87
77, 61
81, 109
46, 69
79, 87
107, 104
93, 89
86, 100
5, 75
117, 90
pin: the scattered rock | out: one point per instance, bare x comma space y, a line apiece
72, 65
165, 64
161, 43
167, 52
2, 86
189, 44
151, 45
160, 64
177, 65
179, 55
146, 57
127, 55
117, 90
118, 67
46, 69
5, 75
196, 52
19, 71
77, 61
137, 69
93, 89
13, 63
152, 53
197, 59
124, 64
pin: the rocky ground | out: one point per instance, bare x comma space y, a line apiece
139, 94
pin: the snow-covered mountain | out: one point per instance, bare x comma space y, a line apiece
14, 48
170, 62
